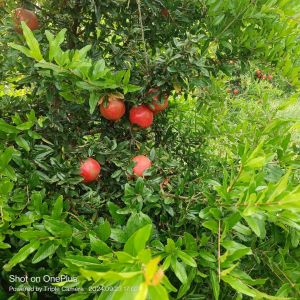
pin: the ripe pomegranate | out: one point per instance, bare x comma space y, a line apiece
258, 73
141, 115
142, 163
270, 77
89, 170
264, 77
114, 110
235, 91
164, 12
27, 16
156, 105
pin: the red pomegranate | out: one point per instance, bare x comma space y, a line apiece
157, 105
164, 12
113, 110
27, 16
141, 115
258, 73
90, 170
142, 163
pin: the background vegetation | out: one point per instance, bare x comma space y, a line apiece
217, 216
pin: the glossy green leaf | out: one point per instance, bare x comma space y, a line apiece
58, 228
22, 254
138, 240
32, 43
44, 251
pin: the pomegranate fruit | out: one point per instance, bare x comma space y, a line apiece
258, 73
270, 77
141, 115
142, 163
164, 12
90, 170
157, 105
27, 16
235, 91
114, 110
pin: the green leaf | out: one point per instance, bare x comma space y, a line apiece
190, 242
113, 208
22, 143
54, 43
207, 255
58, 228
5, 127
110, 275
28, 234
4, 245
211, 225
81, 261
187, 286
6, 157
158, 292
104, 230
85, 86
98, 246
215, 284
136, 221
179, 271
142, 292
5, 187
137, 241
99, 69
280, 187
256, 162
32, 43
57, 208
188, 260
25, 125
257, 225
67, 95
93, 101
37, 201
22, 49
45, 251
238, 285
126, 77
23, 253
132, 88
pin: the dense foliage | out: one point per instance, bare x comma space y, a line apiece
214, 214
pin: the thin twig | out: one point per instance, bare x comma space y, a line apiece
219, 251
293, 285
1, 214
237, 16
77, 218
235, 180
142, 30
194, 197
